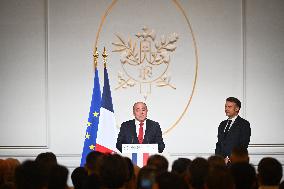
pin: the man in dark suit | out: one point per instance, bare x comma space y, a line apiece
140, 130
233, 132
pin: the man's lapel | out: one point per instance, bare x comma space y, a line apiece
234, 125
147, 129
133, 131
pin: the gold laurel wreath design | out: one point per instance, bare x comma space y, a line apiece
176, 2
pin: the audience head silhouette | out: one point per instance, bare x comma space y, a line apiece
112, 171
269, 172
159, 162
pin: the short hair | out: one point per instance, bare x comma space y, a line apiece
29, 175
219, 177
168, 180
269, 171
113, 171
93, 161
180, 165
244, 175
78, 177
235, 100
216, 160
158, 161
46, 161
46, 158
198, 171
7, 170
58, 177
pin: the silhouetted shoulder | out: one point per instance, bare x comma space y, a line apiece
149, 121
127, 123
243, 121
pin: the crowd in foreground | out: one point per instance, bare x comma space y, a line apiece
110, 171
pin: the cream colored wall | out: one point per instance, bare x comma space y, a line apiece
46, 72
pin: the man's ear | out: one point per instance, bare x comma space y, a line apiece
237, 109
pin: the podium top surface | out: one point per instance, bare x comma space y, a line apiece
140, 148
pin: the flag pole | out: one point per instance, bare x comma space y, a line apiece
94, 114
105, 55
96, 56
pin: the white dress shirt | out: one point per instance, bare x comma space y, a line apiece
137, 123
233, 120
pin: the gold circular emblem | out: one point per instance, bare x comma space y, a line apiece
165, 68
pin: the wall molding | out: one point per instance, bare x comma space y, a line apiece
46, 98
244, 58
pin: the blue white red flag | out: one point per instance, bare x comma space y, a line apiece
107, 131
140, 159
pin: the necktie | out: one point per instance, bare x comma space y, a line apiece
140, 134
227, 127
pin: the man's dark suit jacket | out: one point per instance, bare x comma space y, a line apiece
238, 136
128, 135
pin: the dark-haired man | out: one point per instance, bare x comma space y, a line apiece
270, 173
233, 132
244, 175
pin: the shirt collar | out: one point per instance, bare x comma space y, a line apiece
233, 118
138, 122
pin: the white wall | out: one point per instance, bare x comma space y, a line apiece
46, 72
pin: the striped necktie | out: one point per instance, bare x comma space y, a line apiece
227, 127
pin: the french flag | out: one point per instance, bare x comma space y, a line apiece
107, 131
140, 159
